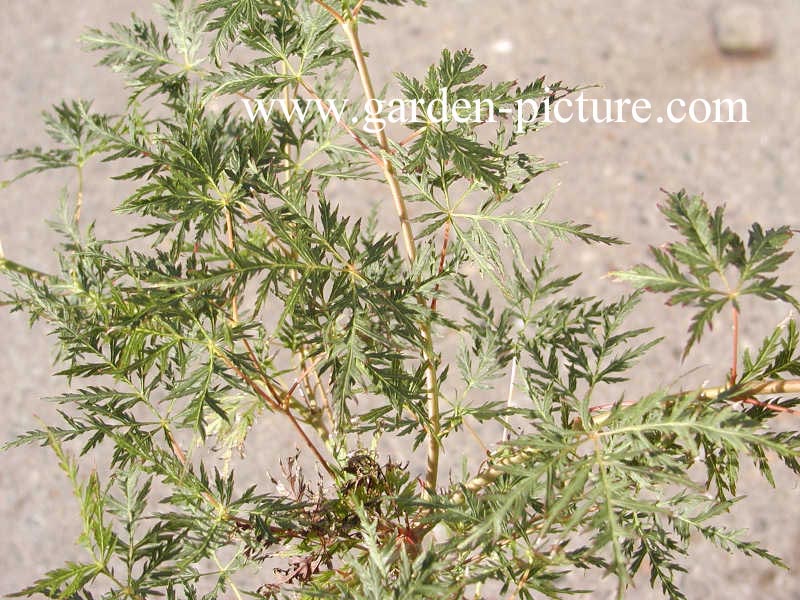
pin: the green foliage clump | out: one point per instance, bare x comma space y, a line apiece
248, 299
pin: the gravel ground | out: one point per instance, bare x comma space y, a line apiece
612, 175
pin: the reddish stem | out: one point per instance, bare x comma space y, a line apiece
772, 407
735, 360
337, 17
375, 158
276, 403
358, 8
441, 261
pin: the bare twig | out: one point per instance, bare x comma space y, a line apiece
278, 403
477, 437
326, 403
773, 407
318, 424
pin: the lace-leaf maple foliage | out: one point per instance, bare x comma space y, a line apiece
248, 299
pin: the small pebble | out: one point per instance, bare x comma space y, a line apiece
743, 28
503, 46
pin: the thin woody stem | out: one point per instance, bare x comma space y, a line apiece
412, 136
232, 245
477, 437
339, 19
351, 31
274, 401
309, 443
432, 384
735, 360
364, 146
323, 430
757, 388
279, 404
324, 433
432, 459
326, 403
773, 407
442, 257
754, 388
510, 396
303, 376
79, 198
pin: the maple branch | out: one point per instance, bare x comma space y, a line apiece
329, 111
339, 19
432, 384
276, 404
79, 198
358, 8
232, 245
442, 256
351, 31
488, 475
412, 136
754, 388
735, 328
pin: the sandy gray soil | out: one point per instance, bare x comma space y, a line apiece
635, 48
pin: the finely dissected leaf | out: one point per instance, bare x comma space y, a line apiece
249, 300
64, 582
700, 270
234, 16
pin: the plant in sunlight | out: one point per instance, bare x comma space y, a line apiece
245, 299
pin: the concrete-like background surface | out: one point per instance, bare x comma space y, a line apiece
636, 48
